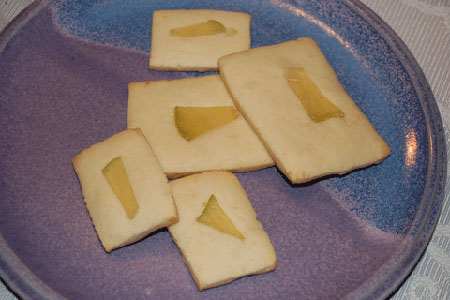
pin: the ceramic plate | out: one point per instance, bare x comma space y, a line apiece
65, 66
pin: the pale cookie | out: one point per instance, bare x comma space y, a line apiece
172, 51
214, 257
156, 207
302, 148
233, 146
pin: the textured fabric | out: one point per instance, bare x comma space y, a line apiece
424, 25
11, 8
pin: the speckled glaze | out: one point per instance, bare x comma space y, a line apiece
65, 66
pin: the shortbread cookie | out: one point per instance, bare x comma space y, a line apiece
304, 146
214, 256
153, 206
193, 40
233, 146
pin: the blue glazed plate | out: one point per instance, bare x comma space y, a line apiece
63, 87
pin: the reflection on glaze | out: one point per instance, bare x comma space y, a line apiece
411, 148
299, 12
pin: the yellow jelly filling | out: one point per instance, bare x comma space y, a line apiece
318, 107
209, 27
192, 122
214, 216
117, 177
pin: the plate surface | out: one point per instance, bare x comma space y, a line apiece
63, 87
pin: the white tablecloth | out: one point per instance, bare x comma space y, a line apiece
424, 25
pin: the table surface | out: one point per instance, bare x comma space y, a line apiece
424, 26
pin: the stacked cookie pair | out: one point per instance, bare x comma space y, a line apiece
279, 104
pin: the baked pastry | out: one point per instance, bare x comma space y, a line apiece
193, 40
213, 256
306, 140
121, 222
232, 146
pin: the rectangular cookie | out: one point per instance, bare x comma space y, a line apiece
303, 149
233, 146
155, 206
215, 257
172, 51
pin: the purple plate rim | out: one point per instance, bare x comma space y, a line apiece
409, 252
